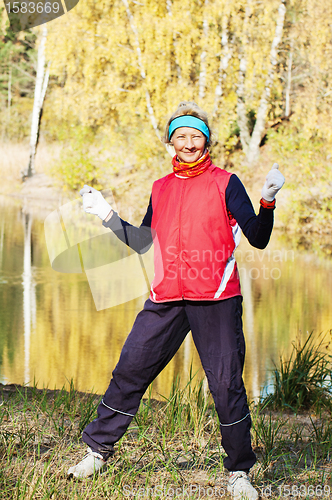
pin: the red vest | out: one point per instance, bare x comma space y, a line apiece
194, 238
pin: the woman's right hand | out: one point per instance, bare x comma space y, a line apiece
94, 202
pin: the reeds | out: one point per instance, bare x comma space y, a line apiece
292, 427
304, 380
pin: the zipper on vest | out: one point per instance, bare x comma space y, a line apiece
180, 239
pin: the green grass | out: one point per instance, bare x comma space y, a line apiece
172, 447
304, 380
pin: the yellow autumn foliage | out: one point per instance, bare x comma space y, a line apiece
109, 56
120, 68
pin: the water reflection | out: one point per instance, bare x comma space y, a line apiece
50, 330
29, 295
249, 326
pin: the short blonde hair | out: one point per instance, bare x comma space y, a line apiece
188, 108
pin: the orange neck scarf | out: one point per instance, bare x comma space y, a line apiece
186, 170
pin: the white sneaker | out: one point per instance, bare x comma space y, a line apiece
91, 463
240, 487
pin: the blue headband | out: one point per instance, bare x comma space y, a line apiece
188, 121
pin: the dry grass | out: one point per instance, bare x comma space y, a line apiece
14, 158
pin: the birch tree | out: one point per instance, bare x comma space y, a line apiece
42, 79
177, 65
289, 80
251, 143
142, 70
203, 63
241, 104
226, 54
253, 150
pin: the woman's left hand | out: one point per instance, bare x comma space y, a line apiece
274, 182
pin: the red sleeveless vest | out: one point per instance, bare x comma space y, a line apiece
194, 238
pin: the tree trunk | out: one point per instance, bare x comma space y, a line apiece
241, 106
40, 91
255, 140
141, 68
177, 65
224, 60
289, 81
202, 73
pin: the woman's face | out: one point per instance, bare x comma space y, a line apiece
189, 144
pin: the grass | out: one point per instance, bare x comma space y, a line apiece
171, 450
304, 380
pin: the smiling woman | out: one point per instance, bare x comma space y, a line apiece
198, 209
189, 144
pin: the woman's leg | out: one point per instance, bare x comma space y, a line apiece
157, 334
218, 336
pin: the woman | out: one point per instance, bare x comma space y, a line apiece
194, 219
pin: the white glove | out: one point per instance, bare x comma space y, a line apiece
94, 202
274, 181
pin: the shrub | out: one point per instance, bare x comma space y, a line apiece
77, 166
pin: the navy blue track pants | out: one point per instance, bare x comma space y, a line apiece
157, 334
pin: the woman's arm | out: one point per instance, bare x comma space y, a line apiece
256, 228
137, 238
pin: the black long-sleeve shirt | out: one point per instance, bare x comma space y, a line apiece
256, 228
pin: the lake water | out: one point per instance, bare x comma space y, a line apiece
51, 331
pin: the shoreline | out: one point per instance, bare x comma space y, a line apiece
38, 192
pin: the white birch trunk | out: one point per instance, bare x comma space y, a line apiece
224, 61
289, 81
202, 73
240, 91
45, 84
255, 140
40, 91
242, 120
177, 65
141, 69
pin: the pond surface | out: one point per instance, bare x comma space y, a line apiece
51, 331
